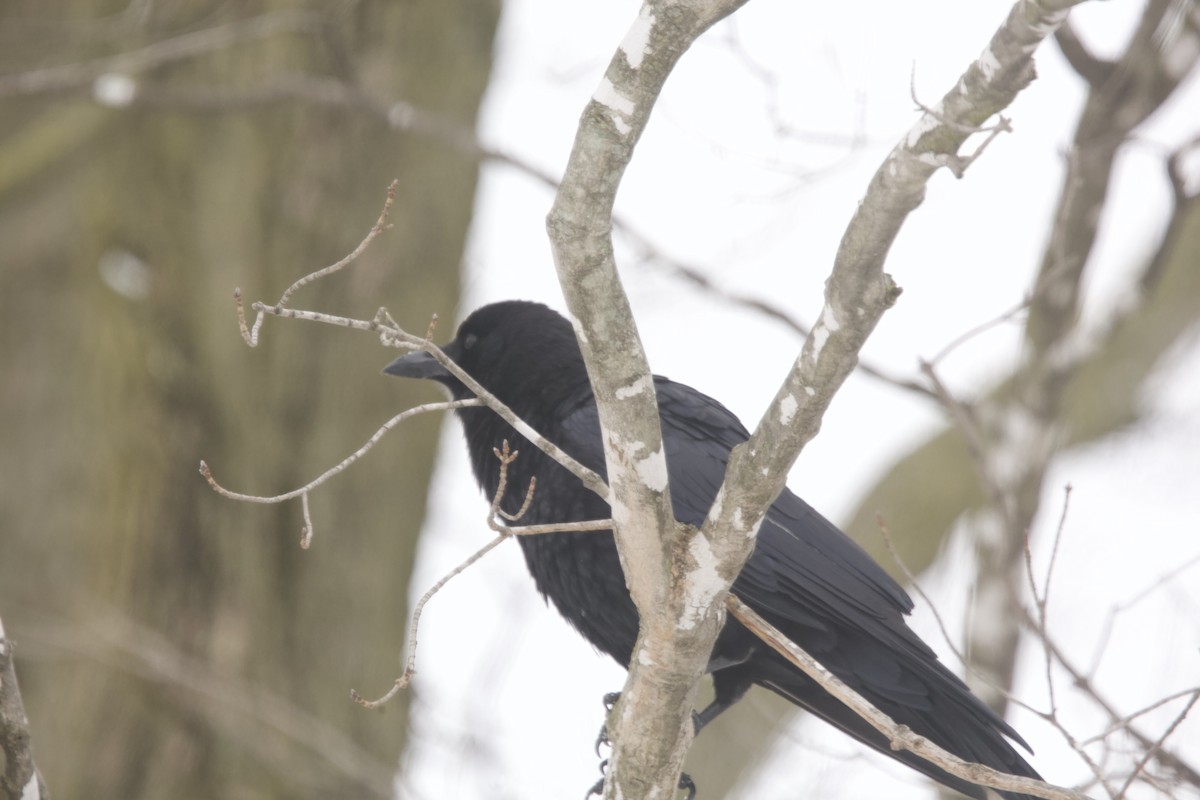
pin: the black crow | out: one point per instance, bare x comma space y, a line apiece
805, 576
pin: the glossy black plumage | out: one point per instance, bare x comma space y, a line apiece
805, 576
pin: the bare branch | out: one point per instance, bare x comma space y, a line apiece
900, 737
20, 779
346, 462
678, 618
983, 327
505, 456
858, 291
392, 335
1123, 723
1153, 749
757, 305
179, 48
379, 227
306, 533
251, 336
1092, 69
410, 663
1042, 598
1082, 682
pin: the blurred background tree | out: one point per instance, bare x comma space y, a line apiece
175, 644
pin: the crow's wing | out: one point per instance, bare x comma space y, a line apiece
802, 563
805, 576
798, 550
810, 579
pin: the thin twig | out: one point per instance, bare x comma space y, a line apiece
591, 526
346, 462
1085, 685
967, 425
996, 321
1123, 723
64, 77
524, 505
1042, 598
410, 663
379, 227
916, 587
1043, 281
251, 336
1058, 533
1110, 618
251, 339
306, 533
390, 334
1002, 124
953, 161
505, 456
1145, 759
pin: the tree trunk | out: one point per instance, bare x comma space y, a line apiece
178, 644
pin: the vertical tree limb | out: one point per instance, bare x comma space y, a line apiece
678, 577
21, 779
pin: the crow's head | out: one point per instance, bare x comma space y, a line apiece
518, 350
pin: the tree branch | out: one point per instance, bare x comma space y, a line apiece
899, 736
21, 779
858, 291
65, 77
670, 570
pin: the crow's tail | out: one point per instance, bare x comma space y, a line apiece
960, 724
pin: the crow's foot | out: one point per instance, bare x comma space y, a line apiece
598, 787
685, 783
609, 701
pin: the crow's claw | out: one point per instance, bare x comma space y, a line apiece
685, 782
598, 787
610, 700
602, 739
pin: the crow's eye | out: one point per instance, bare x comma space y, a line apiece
469, 341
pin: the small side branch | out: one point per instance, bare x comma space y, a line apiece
410, 664
392, 335
379, 227
505, 456
303, 492
1152, 751
250, 335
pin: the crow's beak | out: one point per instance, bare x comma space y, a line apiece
418, 364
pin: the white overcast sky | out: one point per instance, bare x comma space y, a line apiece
508, 696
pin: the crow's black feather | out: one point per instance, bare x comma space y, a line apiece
805, 576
